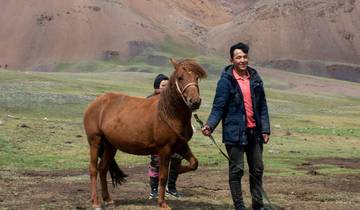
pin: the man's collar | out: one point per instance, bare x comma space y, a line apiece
237, 76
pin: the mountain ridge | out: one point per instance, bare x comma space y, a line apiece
49, 32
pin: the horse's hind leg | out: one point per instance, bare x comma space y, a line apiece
107, 157
94, 143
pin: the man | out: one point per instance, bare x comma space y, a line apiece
160, 83
240, 104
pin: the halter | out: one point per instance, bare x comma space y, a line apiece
186, 86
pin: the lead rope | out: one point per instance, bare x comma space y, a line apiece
266, 198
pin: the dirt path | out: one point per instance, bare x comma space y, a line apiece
205, 189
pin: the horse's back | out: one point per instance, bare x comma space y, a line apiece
95, 108
124, 120
108, 104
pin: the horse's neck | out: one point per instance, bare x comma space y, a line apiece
174, 112
172, 106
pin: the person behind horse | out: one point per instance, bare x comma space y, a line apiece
241, 105
160, 83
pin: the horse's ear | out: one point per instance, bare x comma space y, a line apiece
173, 62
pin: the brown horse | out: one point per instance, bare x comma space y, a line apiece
157, 125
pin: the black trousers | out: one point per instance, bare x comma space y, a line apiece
253, 150
175, 162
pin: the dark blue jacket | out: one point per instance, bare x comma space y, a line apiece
228, 106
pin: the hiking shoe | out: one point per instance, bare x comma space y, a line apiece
172, 192
153, 194
262, 208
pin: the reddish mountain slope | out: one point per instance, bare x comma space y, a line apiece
35, 33
326, 30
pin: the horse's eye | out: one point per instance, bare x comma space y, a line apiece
180, 78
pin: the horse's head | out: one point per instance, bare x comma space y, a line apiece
186, 76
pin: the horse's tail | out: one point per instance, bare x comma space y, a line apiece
117, 175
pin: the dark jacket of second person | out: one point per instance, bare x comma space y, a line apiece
228, 106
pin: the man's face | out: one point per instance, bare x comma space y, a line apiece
163, 84
240, 60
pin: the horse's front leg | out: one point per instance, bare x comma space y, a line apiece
189, 156
163, 175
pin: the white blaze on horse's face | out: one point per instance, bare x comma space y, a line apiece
187, 84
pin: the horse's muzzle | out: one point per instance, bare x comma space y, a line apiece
194, 105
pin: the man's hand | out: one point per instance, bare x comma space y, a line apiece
266, 138
206, 130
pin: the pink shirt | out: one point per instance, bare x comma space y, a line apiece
244, 84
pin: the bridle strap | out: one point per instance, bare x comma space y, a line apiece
188, 85
183, 90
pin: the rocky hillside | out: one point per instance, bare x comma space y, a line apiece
36, 33
325, 30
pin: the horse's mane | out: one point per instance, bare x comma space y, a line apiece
191, 65
170, 98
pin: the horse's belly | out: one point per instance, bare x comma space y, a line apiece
147, 151
130, 132
132, 146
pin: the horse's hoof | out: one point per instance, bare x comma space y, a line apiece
164, 206
109, 203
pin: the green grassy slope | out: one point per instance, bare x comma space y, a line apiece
304, 124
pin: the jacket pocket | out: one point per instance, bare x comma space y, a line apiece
258, 88
231, 131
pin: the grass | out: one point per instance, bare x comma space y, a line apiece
87, 66
166, 49
305, 125
43, 145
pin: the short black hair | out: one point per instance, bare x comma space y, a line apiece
241, 46
158, 79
